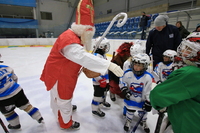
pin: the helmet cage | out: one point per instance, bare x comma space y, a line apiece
104, 44
189, 51
140, 58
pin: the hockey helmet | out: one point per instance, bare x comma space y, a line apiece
170, 53
104, 44
140, 58
189, 49
136, 48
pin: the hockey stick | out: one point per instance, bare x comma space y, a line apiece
159, 122
113, 55
3, 126
138, 122
120, 23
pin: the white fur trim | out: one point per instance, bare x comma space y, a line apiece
78, 29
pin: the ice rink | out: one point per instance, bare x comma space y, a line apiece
28, 63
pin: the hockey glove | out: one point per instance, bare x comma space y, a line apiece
126, 92
116, 69
103, 83
147, 106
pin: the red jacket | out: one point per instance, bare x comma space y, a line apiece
58, 68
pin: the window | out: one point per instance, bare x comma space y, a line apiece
46, 15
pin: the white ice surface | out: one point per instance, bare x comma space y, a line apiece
28, 63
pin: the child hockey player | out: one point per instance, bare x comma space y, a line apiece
136, 85
11, 96
100, 83
180, 93
163, 69
123, 53
134, 50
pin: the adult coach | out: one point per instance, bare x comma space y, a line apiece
164, 36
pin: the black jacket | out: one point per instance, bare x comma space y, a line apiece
159, 41
183, 32
144, 21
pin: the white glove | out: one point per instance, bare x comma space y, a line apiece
116, 69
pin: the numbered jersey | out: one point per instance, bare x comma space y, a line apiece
140, 87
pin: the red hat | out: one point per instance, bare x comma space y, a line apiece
85, 13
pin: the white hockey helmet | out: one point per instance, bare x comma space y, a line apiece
138, 42
170, 53
136, 48
105, 44
140, 58
189, 49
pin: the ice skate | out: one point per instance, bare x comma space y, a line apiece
99, 113
41, 120
112, 97
127, 125
105, 105
14, 127
75, 125
145, 127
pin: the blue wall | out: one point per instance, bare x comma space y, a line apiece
31, 3
18, 23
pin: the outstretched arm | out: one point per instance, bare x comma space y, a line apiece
77, 54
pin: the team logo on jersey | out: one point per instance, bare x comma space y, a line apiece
137, 89
166, 72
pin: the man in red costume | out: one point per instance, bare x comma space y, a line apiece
62, 66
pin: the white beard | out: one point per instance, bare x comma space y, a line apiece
85, 34
86, 39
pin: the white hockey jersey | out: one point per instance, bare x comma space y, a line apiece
162, 71
140, 87
8, 83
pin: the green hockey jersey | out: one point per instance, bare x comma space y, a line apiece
180, 93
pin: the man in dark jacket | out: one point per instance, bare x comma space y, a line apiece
143, 25
161, 38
